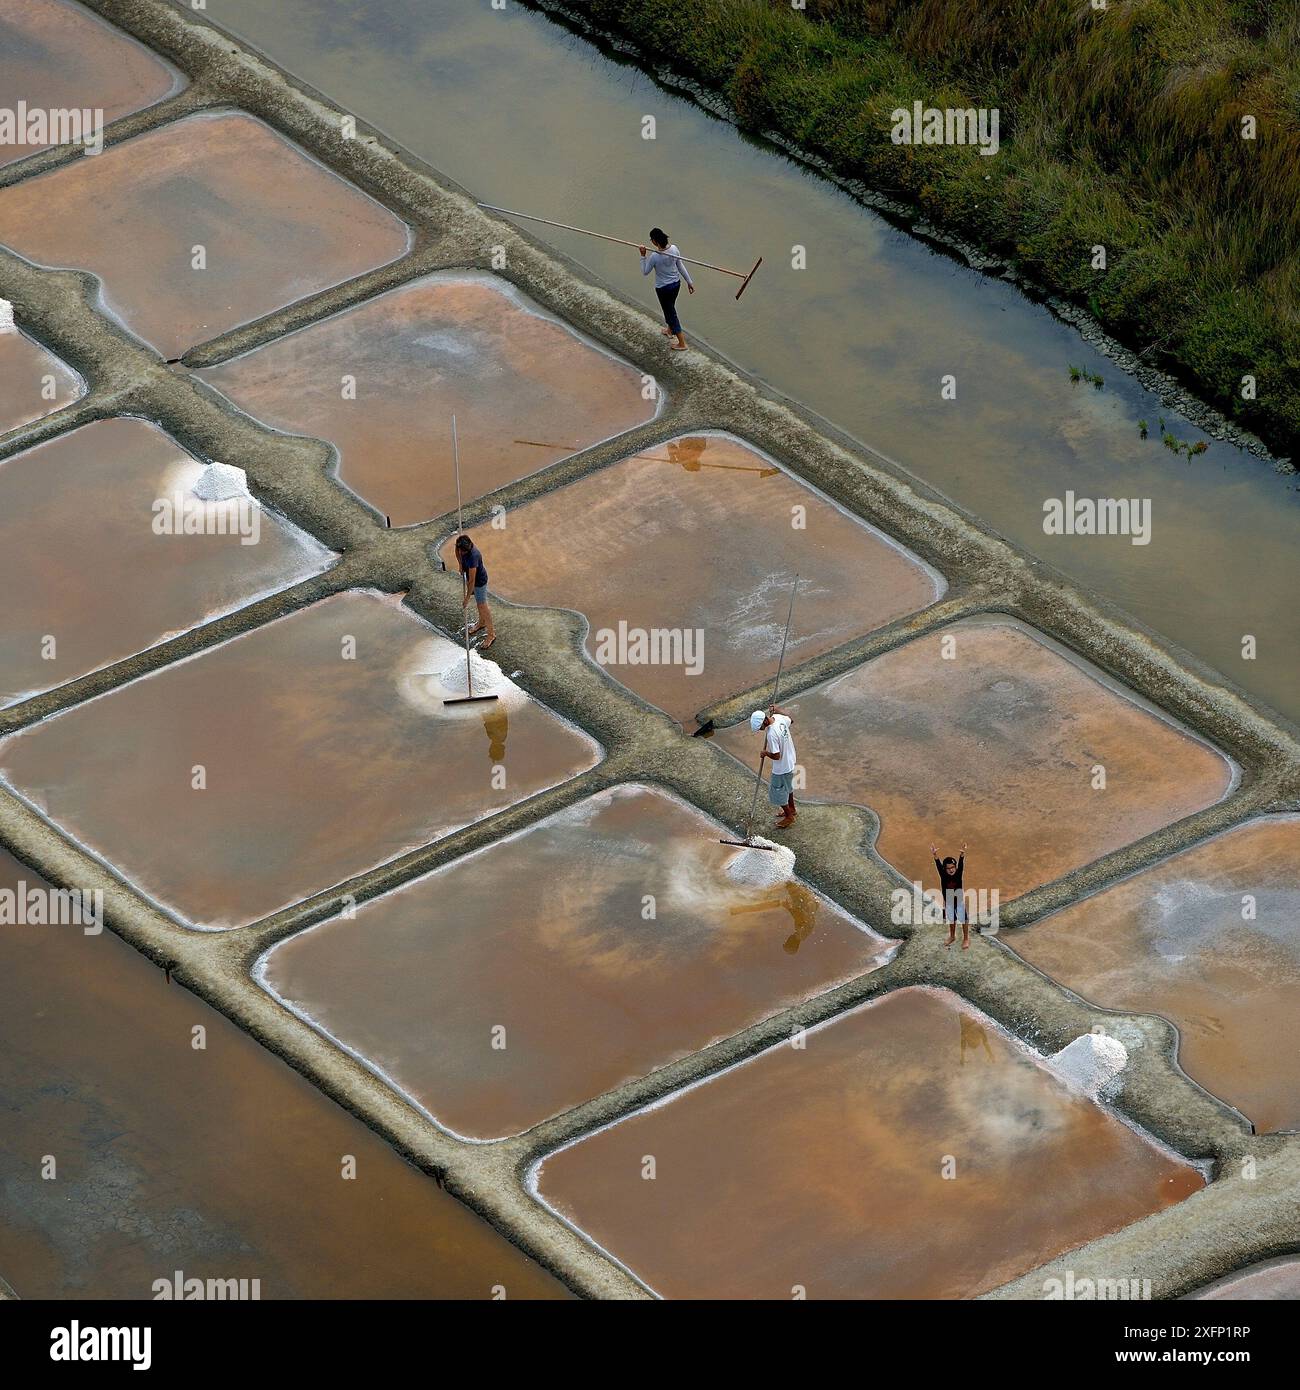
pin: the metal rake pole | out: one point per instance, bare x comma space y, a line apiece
455, 456
776, 686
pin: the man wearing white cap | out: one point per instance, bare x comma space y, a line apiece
779, 746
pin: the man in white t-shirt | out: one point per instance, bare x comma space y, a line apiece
778, 745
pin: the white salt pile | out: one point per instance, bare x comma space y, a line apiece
761, 868
7, 324
433, 671
1089, 1062
221, 482
488, 677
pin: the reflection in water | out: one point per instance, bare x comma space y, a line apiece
604, 940
802, 906
643, 529
997, 757
865, 1115
220, 1162
54, 55
1210, 940
28, 373
689, 453
131, 215
873, 306
496, 724
973, 1037
116, 587
525, 389
327, 708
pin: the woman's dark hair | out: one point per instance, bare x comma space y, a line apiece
950, 862
658, 236
464, 545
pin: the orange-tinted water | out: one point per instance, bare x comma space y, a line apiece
863, 327
219, 1161
909, 1150
700, 539
86, 576
200, 226
33, 382
594, 947
282, 762
57, 56
1002, 744
382, 381
1211, 941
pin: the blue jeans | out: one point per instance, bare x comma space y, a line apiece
668, 303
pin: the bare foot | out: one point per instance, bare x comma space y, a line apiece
965, 943
667, 332
483, 646
677, 347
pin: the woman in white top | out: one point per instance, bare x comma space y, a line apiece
670, 270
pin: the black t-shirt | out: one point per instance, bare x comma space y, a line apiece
949, 881
474, 561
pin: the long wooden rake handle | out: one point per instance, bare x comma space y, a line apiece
743, 275
776, 686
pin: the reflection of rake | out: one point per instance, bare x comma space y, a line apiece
765, 906
744, 276
688, 464
660, 458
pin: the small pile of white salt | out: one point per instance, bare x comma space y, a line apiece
1089, 1062
487, 676
7, 324
761, 868
221, 482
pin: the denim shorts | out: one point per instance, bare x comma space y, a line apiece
780, 788
480, 593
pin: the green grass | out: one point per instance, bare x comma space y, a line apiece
1119, 128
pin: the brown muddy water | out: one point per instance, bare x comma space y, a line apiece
910, 1149
701, 539
272, 226
1211, 941
219, 1161
525, 389
284, 761
114, 585
33, 382
862, 334
56, 55
997, 746
596, 946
